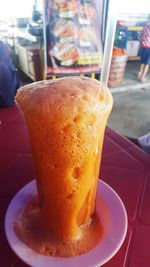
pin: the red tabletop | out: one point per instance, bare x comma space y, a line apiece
125, 168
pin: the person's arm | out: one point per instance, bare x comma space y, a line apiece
144, 142
141, 35
8, 86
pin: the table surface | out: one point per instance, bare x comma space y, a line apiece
125, 167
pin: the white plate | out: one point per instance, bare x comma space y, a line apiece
112, 215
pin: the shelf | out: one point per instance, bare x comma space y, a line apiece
23, 33
135, 28
134, 58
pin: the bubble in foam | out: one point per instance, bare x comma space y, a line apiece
77, 119
76, 173
69, 196
66, 128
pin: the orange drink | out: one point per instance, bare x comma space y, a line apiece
66, 120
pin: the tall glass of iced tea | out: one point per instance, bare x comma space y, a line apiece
66, 120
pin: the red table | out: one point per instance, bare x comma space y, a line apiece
125, 168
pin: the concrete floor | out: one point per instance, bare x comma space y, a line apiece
131, 111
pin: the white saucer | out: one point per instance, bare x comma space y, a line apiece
112, 215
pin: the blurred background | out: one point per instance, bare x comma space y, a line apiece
54, 38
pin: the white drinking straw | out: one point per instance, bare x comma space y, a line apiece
109, 41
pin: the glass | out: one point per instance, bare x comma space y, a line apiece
66, 119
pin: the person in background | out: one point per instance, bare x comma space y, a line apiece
145, 51
8, 79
